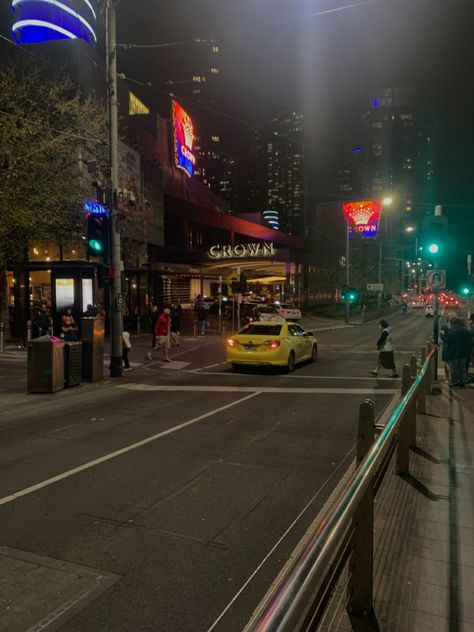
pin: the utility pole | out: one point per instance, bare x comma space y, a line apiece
379, 293
348, 276
116, 297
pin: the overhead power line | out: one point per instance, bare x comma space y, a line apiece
256, 27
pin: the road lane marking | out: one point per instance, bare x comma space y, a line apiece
279, 541
211, 366
150, 388
176, 365
116, 453
369, 378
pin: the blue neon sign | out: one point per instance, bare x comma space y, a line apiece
45, 20
94, 208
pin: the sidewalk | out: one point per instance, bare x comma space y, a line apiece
424, 529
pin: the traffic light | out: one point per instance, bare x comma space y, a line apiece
434, 235
467, 290
97, 235
350, 294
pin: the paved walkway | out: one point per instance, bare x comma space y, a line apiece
424, 530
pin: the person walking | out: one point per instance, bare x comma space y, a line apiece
126, 346
444, 352
458, 342
385, 346
161, 332
175, 326
202, 317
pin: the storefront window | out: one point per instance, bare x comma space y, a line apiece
44, 251
64, 294
40, 287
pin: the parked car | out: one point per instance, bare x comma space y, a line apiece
288, 311
271, 343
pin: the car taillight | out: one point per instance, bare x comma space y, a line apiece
231, 343
273, 344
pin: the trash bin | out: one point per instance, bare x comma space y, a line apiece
45, 372
92, 334
72, 363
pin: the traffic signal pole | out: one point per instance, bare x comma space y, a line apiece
348, 276
116, 298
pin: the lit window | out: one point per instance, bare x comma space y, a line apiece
216, 139
135, 106
215, 49
214, 71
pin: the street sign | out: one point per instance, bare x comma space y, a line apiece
436, 279
375, 287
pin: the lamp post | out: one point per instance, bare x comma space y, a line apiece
387, 201
116, 297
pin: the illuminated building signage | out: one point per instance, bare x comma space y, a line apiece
272, 218
94, 208
239, 251
183, 139
45, 20
363, 217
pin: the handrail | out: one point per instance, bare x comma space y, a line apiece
289, 604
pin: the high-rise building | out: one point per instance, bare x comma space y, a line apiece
285, 171
399, 149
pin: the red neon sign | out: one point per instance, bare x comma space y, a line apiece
363, 217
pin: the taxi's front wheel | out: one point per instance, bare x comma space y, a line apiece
314, 353
291, 361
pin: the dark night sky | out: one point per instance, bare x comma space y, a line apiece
323, 66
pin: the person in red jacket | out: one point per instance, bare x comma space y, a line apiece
161, 331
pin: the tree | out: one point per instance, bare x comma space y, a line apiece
46, 127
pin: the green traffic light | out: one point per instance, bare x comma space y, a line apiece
466, 291
433, 248
96, 245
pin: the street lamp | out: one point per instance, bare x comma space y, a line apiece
386, 201
409, 229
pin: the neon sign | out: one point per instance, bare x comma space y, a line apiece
363, 217
183, 139
45, 20
94, 208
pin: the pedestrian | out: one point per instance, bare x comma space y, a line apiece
458, 342
42, 324
202, 317
91, 312
152, 318
175, 326
126, 346
69, 330
161, 332
385, 348
444, 353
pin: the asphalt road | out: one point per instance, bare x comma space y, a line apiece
169, 500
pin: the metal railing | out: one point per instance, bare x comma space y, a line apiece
298, 601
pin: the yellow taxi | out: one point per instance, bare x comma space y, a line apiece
271, 343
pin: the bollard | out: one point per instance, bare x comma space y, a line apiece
28, 330
361, 565
413, 365
195, 328
423, 355
406, 427
139, 326
2, 337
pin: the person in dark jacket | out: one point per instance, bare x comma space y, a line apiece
458, 350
